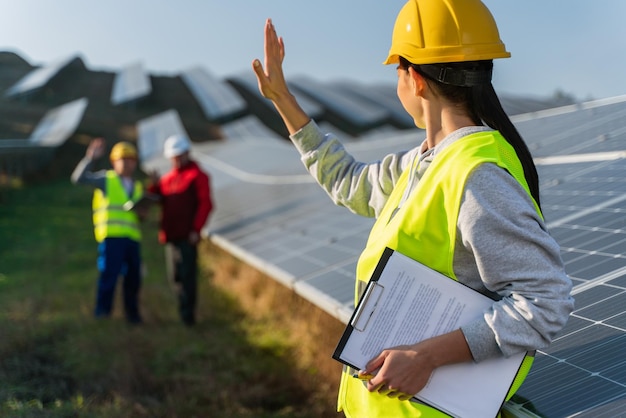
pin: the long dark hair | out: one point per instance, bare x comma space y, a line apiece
468, 84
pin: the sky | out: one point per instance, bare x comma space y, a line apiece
577, 47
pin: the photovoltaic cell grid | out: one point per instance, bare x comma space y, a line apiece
593, 236
291, 230
585, 128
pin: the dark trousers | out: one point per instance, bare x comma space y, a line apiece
119, 256
182, 271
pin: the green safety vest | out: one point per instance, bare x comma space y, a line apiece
110, 219
424, 228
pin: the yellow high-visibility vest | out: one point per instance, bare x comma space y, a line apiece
424, 228
110, 219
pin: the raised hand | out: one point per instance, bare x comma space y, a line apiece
271, 80
272, 84
96, 148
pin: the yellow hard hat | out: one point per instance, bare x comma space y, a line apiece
123, 150
440, 31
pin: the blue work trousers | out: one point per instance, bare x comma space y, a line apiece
119, 257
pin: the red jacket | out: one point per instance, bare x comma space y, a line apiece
185, 202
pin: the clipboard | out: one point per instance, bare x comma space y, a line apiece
401, 288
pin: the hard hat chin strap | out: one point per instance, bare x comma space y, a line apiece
457, 76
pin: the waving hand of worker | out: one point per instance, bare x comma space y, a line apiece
96, 148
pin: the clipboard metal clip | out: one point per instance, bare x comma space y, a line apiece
367, 306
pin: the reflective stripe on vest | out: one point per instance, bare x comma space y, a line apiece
110, 219
424, 228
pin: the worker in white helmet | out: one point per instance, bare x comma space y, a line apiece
185, 199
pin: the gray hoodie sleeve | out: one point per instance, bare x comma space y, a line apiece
361, 187
504, 249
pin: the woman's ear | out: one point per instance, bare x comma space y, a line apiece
419, 83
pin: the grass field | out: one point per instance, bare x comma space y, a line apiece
243, 358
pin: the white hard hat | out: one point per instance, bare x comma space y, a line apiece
176, 145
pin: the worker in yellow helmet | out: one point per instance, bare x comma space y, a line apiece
116, 224
465, 201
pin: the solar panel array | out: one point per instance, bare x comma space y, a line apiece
273, 216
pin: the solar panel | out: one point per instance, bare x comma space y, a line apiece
21, 156
153, 131
247, 80
130, 84
218, 99
357, 113
378, 95
59, 124
247, 127
38, 77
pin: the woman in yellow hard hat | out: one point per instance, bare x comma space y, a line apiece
464, 202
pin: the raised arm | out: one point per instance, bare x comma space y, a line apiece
82, 174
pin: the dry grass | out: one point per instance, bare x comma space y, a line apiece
311, 333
